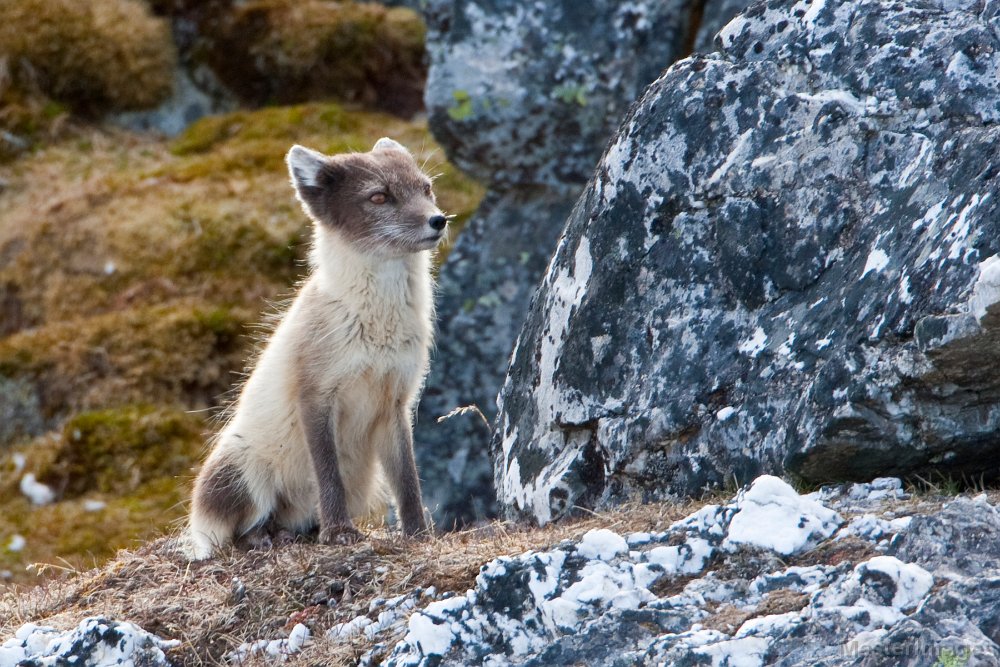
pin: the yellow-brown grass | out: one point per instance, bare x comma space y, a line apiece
288, 51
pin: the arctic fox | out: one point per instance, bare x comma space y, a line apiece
324, 422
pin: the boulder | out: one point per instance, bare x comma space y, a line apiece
786, 261
522, 96
483, 294
715, 14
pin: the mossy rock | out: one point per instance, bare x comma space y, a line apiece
95, 56
27, 115
119, 450
187, 353
288, 51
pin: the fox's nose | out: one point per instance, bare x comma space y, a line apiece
437, 222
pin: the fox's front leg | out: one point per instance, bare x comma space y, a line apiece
402, 472
335, 525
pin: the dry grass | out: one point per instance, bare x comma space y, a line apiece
195, 602
96, 56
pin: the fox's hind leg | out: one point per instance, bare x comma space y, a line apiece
222, 507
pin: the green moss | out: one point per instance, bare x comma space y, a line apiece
117, 451
182, 353
247, 142
572, 93
949, 658
231, 248
462, 108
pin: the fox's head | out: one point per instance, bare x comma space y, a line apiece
380, 201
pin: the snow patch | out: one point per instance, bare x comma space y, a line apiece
771, 515
92, 505
37, 493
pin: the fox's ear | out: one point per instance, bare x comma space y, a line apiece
387, 144
304, 166
314, 177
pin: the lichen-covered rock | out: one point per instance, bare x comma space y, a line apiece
483, 293
787, 260
715, 14
697, 594
529, 92
95, 641
523, 96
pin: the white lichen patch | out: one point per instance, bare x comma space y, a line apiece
986, 290
771, 515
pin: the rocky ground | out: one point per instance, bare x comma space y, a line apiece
862, 574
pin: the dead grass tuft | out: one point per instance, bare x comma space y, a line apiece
833, 552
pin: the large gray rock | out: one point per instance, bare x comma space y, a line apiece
787, 260
714, 16
523, 96
483, 295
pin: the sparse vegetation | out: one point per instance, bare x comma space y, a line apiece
286, 51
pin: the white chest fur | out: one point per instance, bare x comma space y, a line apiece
366, 314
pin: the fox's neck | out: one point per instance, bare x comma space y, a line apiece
341, 270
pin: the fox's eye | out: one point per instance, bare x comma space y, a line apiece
378, 198
427, 189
